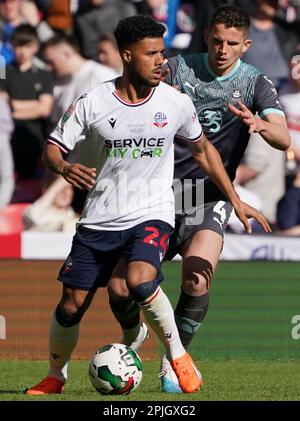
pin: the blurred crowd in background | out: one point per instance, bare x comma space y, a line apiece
52, 51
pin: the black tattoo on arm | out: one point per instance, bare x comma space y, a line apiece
199, 146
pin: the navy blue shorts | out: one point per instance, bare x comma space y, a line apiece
94, 254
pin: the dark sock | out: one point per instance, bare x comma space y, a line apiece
189, 314
127, 312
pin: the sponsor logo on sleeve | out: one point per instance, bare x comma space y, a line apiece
68, 113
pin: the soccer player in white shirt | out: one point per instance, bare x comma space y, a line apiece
129, 211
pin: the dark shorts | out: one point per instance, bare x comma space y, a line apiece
94, 254
213, 216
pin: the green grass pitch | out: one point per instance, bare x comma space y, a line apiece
245, 349
224, 380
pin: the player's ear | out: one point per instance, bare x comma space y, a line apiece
247, 44
126, 56
205, 33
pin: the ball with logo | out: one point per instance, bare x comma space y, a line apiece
115, 369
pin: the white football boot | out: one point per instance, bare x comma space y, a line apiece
141, 337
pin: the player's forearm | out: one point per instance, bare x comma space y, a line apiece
276, 135
210, 161
54, 160
76, 174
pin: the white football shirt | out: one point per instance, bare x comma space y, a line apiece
136, 153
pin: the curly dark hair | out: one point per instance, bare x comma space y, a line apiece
231, 16
135, 28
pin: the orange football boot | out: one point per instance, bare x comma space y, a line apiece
186, 373
46, 386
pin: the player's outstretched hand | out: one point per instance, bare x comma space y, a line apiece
80, 176
247, 116
244, 211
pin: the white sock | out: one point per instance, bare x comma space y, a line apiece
160, 315
62, 342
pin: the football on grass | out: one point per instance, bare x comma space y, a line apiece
115, 369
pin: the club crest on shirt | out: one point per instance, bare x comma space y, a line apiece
236, 94
68, 264
160, 119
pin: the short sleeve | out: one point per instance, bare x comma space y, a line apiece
190, 129
47, 83
266, 100
72, 126
3, 85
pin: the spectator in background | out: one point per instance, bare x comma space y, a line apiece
14, 13
74, 75
59, 13
108, 52
96, 17
29, 91
287, 14
288, 211
52, 211
290, 100
6, 160
272, 42
179, 16
263, 166
204, 10
142, 6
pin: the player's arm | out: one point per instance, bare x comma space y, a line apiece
208, 158
76, 174
272, 127
270, 122
71, 129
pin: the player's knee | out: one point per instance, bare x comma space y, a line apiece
66, 316
139, 273
70, 310
197, 275
117, 289
196, 284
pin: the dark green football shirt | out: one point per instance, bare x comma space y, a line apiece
211, 94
